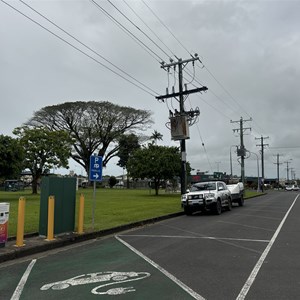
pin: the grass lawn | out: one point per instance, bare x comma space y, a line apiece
113, 207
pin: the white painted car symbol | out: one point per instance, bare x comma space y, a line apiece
109, 277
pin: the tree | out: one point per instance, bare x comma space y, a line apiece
157, 163
112, 180
156, 136
94, 126
127, 145
44, 150
11, 157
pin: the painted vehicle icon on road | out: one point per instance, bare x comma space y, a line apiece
107, 278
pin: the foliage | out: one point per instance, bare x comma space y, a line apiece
127, 145
112, 181
157, 163
44, 150
11, 158
94, 126
156, 136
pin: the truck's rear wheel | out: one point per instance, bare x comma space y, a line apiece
229, 207
241, 201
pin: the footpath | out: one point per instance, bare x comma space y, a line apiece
33, 243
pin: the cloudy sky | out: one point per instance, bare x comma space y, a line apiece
250, 64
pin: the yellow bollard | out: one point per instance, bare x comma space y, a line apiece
50, 231
81, 214
20, 226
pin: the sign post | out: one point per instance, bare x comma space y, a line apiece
95, 175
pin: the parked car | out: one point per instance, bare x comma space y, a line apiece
203, 196
288, 187
295, 187
237, 193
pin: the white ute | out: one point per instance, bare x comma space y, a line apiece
212, 196
237, 193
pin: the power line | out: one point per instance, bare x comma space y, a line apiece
153, 32
167, 28
153, 54
95, 52
76, 48
138, 28
162, 23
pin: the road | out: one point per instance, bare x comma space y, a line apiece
252, 252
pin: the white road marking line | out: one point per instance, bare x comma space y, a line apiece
162, 270
19, 289
256, 216
194, 237
258, 265
242, 225
220, 241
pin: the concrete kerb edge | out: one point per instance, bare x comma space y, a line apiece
71, 238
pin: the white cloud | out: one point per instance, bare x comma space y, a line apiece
252, 48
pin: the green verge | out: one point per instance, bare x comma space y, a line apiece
113, 207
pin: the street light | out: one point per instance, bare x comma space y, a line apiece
257, 168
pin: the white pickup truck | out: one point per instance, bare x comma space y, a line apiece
211, 196
237, 193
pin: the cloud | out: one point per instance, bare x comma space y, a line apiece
250, 51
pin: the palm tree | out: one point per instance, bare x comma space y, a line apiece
156, 136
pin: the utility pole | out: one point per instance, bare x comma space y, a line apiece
287, 169
181, 116
278, 163
242, 150
292, 172
262, 145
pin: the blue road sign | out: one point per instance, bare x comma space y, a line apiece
95, 168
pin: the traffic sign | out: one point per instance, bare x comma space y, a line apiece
95, 168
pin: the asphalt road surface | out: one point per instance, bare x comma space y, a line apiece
252, 252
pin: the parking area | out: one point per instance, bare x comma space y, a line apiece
251, 252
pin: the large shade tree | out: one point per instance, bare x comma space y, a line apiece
95, 126
158, 163
44, 150
128, 143
11, 158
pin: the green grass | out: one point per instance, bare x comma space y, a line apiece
113, 207
251, 193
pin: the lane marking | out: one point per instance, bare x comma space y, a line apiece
19, 289
220, 241
194, 237
256, 216
261, 260
162, 270
242, 225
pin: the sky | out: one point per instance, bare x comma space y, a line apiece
248, 59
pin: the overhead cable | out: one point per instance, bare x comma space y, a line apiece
138, 28
76, 48
141, 43
95, 52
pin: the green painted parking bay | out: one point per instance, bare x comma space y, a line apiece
105, 269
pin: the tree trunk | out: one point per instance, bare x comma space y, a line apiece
34, 185
156, 186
